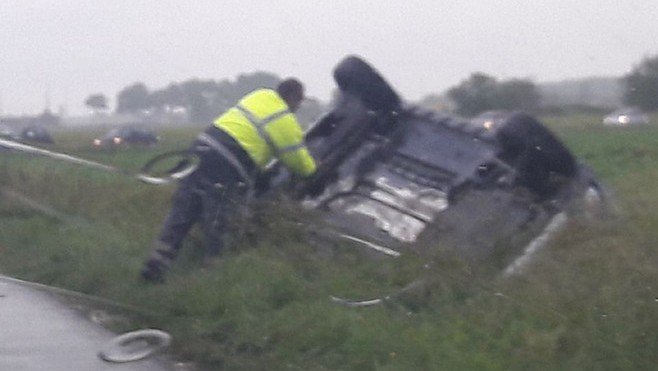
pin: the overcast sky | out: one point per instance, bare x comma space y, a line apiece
57, 52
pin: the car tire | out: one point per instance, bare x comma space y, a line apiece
118, 349
535, 153
355, 76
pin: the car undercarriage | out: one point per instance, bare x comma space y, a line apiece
396, 178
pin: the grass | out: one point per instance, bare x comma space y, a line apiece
590, 302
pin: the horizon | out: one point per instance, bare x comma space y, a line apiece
57, 55
111, 109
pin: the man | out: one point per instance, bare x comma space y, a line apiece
232, 152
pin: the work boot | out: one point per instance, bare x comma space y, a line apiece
158, 263
153, 271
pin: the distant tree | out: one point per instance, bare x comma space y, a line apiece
171, 96
436, 102
207, 99
474, 95
481, 92
641, 85
133, 98
517, 94
248, 82
97, 102
203, 99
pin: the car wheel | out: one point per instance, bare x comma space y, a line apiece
535, 153
355, 76
135, 345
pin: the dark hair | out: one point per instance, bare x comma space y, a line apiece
290, 88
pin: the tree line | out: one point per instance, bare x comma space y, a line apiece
204, 100
481, 92
201, 99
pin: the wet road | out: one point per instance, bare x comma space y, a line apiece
38, 332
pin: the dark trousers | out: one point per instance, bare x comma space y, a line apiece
211, 196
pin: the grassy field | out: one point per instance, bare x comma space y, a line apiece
589, 302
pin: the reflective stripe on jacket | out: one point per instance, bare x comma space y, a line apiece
264, 126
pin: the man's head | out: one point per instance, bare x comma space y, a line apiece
292, 92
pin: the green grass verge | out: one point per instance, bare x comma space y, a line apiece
590, 302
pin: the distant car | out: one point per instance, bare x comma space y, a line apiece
7, 132
36, 134
130, 136
626, 117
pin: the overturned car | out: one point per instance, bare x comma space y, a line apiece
396, 179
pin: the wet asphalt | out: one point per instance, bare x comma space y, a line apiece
38, 332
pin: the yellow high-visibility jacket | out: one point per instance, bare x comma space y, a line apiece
264, 126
